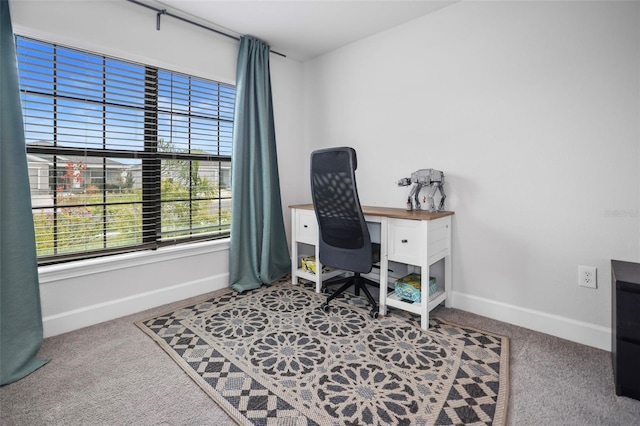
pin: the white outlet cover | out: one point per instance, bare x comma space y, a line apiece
587, 276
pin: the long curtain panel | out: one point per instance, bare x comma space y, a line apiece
20, 311
259, 253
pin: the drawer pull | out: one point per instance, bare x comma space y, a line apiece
405, 241
306, 226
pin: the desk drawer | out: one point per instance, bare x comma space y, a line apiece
406, 241
306, 227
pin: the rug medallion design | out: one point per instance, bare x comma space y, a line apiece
271, 356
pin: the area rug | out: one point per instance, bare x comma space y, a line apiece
272, 356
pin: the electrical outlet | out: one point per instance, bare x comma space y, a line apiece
587, 276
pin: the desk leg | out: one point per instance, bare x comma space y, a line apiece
424, 321
294, 263
425, 272
294, 249
447, 281
384, 285
319, 268
384, 268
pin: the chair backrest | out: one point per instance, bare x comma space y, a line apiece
345, 242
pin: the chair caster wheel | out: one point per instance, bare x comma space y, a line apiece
373, 314
324, 307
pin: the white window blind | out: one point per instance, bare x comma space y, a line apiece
122, 156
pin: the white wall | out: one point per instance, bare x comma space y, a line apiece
531, 109
83, 293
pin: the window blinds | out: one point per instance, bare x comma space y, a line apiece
122, 156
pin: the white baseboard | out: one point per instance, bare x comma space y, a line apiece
555, 325
95, 314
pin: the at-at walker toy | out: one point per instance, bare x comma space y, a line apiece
420, 179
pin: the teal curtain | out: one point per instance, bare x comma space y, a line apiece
258, 253
20, 312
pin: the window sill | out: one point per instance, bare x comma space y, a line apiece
51, 273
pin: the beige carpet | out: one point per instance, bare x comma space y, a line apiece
271, 355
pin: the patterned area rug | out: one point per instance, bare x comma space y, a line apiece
271, 356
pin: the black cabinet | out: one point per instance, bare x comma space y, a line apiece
625, 327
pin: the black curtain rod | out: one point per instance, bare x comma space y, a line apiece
160, 12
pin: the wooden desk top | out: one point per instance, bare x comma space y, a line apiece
389, 212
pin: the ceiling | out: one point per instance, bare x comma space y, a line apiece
302, 29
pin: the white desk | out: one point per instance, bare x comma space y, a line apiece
410, 241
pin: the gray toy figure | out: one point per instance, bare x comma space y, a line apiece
420, 179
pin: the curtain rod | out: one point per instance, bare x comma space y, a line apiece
160, 12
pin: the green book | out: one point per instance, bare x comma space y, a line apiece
409, 287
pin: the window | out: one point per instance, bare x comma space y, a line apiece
122, 156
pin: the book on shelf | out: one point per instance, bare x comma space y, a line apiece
409, 287
308, 264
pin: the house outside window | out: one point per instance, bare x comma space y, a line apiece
122, 156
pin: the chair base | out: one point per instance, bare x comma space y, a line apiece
359, 283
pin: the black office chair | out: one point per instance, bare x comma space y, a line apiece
344, 240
